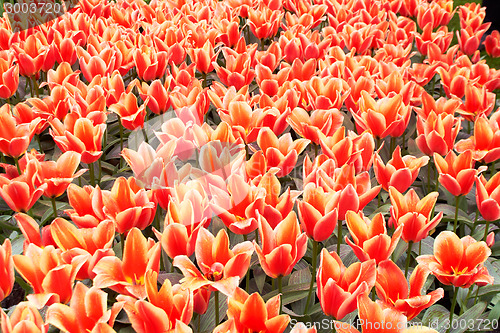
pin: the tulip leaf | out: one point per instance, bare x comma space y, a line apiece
436, 317
468, 320
490, 290
260, 278
495, 312
208, 319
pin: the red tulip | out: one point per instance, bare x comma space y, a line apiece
24, 318
492, 44
9, 78
14, 139
131, 115
487, 199
6, 269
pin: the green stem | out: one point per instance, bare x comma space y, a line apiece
420, 248
92, 174
403, 146
122, 240
315, 150
429, 178
121, 143
373, 294
486, 230
408, 258
457, 199
280, 290
247, 275
54, 207
313, 273
339, 234
452, 310
477, 294
393, 145
16, 160
492, 169
39, 143
466, 299
216, 301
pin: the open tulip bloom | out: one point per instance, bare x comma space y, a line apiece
244, 166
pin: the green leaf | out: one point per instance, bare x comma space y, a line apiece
436, 317
468, 320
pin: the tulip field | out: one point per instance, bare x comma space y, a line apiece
249, 166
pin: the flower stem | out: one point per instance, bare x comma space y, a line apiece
92, 175
339, 234
54, 207
452, 310
121, 143
280, 290
16, 160
247, 275
216, 300
313, 273
122, 240
457, 199
486, 230
466, 299
408, 258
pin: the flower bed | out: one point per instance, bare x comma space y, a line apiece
249, 166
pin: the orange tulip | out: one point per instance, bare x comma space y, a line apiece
399, 172
131, 115
24, 318
249, 313
79, 135
326, 93
128, 206
237, 71
392, 289
458, 262
339, 287
441, 39
87, 206
127, 276
87, 309
457, 174
169, 309
469, 40
280, 152
413, 214
32, 233
159, 99
150, 64
319, 125
20, 193
487, 199
32, 55
317, 212
439, 106
485, 144
50, 277
301, 328
203, 57
371, 240
264, 22
282, 247
387, 116
220, 268
9, 78
6, 269
478, 101
437, 13
14, 139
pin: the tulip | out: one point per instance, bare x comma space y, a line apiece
237, 71
32, 233
79, 135
50, 277
159, 99
86, 311
264, 22
326, 93
203, 58
413, 213
150, 64
131, 116
87, 206
492, 44
470, 40
301, 328
24, 318
14, 139
127, 206
249, 313
6, 269
458, 262
317, 213
399, 172
456, 173
9, 78
280, 152
375, 318
32, 55
478, 101
484, 142
127, 276
387, 116
20, 193
339, 287
282, 247
321, 123
371, 240
392, 289
487, 198
220, 267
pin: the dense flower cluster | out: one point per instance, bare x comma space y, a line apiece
158, 155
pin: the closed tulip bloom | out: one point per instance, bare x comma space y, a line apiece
237, 71
316, 126
6, 269
339, 286
14, 138
392, 289
487, 197
249, 313
87, 206
317, 212
458, 262
20, 193
9, 78
264, 22
220, 267
492, 44
131, 115
413, 214
282, 247
399, 172
371, 240
24, 318
87, 310
149, 63
203, 57
32, 233
457, 173
127, 276
485, 142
